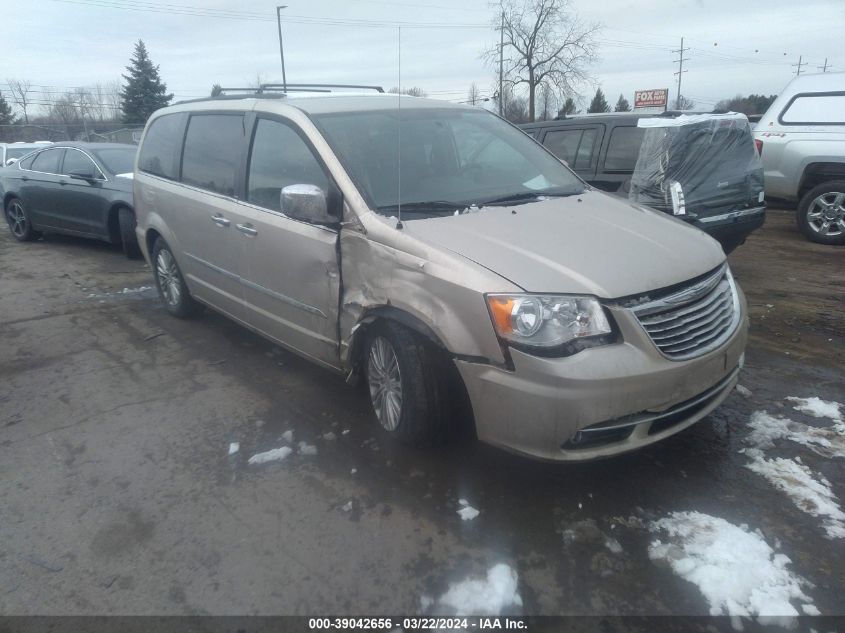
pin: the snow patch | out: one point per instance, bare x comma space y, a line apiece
234, 447
812, 495
484, 596
766, 428
467, 512
734, 568
274, 455
613, 545
818, 408
329, 436
287, 436
307, 449
745, 392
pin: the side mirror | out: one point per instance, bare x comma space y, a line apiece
11, 161
308, 203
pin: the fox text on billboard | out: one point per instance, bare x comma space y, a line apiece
651, 98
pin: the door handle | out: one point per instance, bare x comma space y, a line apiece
24, 178
247, 229
220, 220
63, 182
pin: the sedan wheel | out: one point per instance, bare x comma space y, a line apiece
385, 382
18, 221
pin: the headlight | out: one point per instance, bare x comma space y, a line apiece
546, 321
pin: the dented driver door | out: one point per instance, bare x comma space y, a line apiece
291, 279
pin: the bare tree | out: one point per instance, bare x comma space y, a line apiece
682, 103
514, 107
413, 91
547, 101
544, 42
20, 89
474, 94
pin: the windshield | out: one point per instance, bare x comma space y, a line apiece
19, 152
118, 160
450, 159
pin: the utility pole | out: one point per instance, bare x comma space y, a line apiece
823, 68
799, 64
501, 64
281, 48
681, 70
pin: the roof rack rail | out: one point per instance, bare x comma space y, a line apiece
278, 91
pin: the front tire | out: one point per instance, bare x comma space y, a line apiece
821, 213
19, 222
128, 239
406, 384
171, 286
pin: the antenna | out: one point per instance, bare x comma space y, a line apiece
399, 128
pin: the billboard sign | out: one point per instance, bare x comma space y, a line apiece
651, 98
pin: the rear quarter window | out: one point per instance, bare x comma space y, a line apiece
161, 146
815, 109
623, 148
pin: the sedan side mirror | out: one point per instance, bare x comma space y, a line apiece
11, 161
308, 203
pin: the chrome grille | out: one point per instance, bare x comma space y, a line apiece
694, 320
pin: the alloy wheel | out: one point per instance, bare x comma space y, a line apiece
385, 382
17, 218
826, 215
168, 277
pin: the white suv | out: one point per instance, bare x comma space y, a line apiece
801, 140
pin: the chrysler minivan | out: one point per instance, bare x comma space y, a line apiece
438, 253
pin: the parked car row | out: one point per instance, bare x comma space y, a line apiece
82, 189
711, 159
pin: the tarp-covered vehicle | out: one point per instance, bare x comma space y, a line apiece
705, 169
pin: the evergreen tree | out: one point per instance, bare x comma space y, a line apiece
622, 105
144, 92
216, 90
568, 108
599, 103
6, 116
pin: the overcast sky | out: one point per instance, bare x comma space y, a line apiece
737, 46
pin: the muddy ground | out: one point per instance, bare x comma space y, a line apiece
119, 496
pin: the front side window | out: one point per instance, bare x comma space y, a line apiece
212, 152
623, 148
817, 109
449, 157
161, 145
47, 161
279, 157
26, 163
78, 163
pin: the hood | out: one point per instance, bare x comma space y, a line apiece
591, 243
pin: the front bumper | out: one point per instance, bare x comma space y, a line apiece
540, 406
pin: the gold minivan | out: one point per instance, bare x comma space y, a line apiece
439, 253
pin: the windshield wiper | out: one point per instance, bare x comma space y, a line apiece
526, 196
432, 206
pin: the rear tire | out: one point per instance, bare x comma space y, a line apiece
406, 384
171, 286
19, 223
128, 239
821, 213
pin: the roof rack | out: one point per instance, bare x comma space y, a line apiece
279, 91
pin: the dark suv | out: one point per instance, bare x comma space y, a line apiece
715, 163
